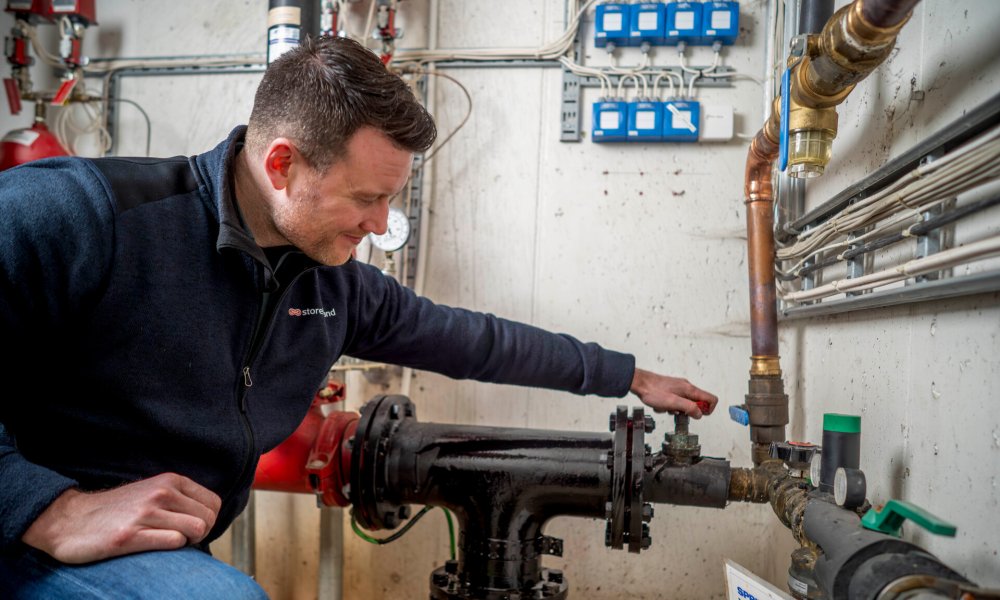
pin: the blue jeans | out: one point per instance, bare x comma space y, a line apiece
183, 574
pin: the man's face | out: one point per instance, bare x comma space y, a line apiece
327, 215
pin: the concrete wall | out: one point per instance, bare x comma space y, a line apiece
640, 248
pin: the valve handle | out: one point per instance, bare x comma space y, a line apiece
783, 129
739, 414
896, 512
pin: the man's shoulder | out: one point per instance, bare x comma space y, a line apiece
134, 182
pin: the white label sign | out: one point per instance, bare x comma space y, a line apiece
648, 21
612, 21
25, 137
610, 120
741, 584
684, 20
645, 119
722, 19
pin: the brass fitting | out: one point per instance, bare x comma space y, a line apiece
765, 365
810, 138
849, 48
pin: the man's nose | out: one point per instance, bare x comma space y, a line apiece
377, 218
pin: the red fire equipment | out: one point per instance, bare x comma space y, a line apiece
25, 145
316, 458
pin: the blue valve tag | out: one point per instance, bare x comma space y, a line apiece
739, 415
786, 79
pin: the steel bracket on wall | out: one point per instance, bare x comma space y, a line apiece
931, 286
572, 94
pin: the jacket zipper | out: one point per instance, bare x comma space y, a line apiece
256, 341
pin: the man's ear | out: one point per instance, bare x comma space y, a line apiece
278, 159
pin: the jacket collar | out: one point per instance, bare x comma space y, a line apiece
216, 168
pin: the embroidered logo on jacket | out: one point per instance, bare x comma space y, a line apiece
305, 312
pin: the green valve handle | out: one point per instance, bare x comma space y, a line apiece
895, 512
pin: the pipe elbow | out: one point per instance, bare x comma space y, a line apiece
760, 158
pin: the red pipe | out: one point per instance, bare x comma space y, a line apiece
316, 458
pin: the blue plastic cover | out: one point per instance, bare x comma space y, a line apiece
611, 24
645, 121
681, 121
720, 22
683, 22
739, 414
648, 21
610, 121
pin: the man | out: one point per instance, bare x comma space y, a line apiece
198, 303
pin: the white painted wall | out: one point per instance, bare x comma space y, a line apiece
640, 248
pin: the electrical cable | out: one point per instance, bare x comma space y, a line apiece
964, 168
553, 50
369, 23
945, 259
149, 126
402, 531
465, 119
919, 229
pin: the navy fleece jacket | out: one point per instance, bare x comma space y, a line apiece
129, 300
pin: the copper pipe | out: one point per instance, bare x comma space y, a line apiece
851, 45
760, 240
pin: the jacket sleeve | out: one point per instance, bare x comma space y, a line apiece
391, 324
55, 246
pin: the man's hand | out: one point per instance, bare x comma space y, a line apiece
671, 394
161, 513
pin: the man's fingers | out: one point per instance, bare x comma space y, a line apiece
151, 539
191, 527
185, 506
192, 489
201, 493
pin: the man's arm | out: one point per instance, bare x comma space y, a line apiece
393, 325
56, 233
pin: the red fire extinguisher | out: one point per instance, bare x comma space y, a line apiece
25, 145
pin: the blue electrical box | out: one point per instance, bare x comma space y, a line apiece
720, 22
681, 120
647, 23
610, 121
683, 23
611, 24
645, 121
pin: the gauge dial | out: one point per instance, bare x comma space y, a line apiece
815, 467
397, 233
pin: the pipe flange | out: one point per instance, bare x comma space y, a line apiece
380, 418
615, 534
624, 512
638, 531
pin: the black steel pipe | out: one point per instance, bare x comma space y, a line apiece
813, 15
887, 13
504, 484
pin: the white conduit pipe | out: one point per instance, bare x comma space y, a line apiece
940, 260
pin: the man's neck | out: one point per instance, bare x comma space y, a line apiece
253, 203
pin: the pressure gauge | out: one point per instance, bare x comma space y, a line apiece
396, 234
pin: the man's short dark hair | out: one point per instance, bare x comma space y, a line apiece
321, 92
